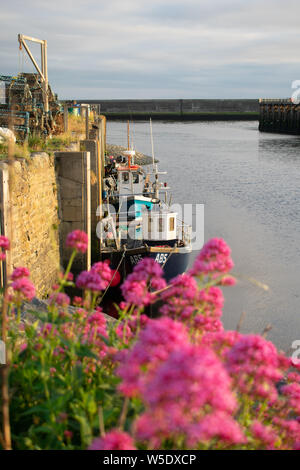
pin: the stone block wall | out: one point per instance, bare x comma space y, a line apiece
74, 189
176, 107
30, 217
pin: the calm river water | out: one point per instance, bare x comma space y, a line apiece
250, 185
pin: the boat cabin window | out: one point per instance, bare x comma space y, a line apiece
125, 176
171, 224
135, 178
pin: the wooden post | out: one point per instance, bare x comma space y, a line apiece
86, 122
102, 138
5, 217
88, 208
66, 123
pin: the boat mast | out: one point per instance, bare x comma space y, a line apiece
128, 143
152, 146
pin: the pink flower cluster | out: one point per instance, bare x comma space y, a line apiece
220, 341
60, 299
128, 329
139, 285
214, 258
95, 280
4, 245
155, 342
114, 440
200, 309
197, 385
185, 387
265, 435
77, 240
256, 367
179, 300
94, 331
23, 288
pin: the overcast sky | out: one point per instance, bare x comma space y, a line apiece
110, 49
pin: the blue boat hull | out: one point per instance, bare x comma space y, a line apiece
172, 262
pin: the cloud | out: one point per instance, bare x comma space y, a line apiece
162, 48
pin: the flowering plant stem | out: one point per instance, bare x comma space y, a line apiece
5, 383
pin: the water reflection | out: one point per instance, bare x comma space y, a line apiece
283, 149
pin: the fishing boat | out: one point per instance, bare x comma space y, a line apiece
137, 220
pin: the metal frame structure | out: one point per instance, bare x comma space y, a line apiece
44, 72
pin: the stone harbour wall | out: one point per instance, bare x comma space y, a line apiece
29, 216
179, 109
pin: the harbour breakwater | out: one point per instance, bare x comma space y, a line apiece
179, 109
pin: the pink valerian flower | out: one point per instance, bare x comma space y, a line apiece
148, 267
70, 276
136, 292
265, 434
114, 440
293, 377
4, 245
210, 304
220, 341
91, 280
146, 275
68, 434
48, 329
23, 347
124, 305
292, 392
214, 258
255, 365
288, 430
60, 299
97, 320
23, 288
93, 334
155, 343
180, 298
190, 389
81, 313
20, 272
204, 324
216, 425
77, 301
227, 281
126, 330
77, 240
192, 376
104, 271
211, 301
201, 309
69, 330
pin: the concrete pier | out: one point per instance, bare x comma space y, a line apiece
179, 109
279, 116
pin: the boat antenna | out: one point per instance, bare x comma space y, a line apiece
151, 133
128, 135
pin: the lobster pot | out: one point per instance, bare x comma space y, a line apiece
159, 226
